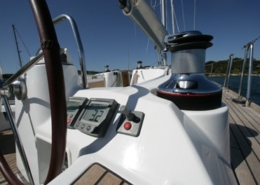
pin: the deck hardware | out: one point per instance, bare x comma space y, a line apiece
18, 88
249, 48
229, 67
188, 88
129, 115
77, 38
96, 116
130, 122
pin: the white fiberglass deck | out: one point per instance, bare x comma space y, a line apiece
245, 143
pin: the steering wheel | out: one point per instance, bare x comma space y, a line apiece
51, 53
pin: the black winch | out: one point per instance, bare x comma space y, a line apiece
188, 87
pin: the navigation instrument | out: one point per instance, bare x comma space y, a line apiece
96, 117
74, 107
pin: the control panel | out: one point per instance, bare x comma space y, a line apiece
74, 108
95, 116
130, 122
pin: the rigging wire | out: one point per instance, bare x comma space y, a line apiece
22, 42
172, 11
166, 15
194, 15
147, 46
151, 3
183, 18
17, 47
154, 5
237, 51
176, 21
251, 42
1, 71
136, 43
244, 46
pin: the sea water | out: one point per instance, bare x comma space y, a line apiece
234, 82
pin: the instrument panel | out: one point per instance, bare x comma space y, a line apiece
91, 116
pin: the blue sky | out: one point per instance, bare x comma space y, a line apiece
109, 37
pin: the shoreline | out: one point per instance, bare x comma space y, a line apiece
223, 75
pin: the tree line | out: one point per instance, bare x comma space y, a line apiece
220, 67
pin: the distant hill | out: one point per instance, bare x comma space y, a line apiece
211, 67
220, 67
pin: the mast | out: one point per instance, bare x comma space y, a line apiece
17, 48
163, 13
163, 19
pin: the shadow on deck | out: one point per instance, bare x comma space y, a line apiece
244, 140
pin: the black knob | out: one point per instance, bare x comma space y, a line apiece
129, 116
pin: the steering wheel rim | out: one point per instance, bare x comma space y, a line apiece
51, 52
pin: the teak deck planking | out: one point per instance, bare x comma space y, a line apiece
244, 139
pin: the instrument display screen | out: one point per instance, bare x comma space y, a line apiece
74, 108
73, 105
97, 116
96, 112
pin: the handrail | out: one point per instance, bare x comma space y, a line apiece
225, 80
248, 93
35, 59
239, 99
229, 67
243, 71
211, 69
23, 70
26, 67
78, 43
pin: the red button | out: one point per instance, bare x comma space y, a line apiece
68, 120
127, 125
